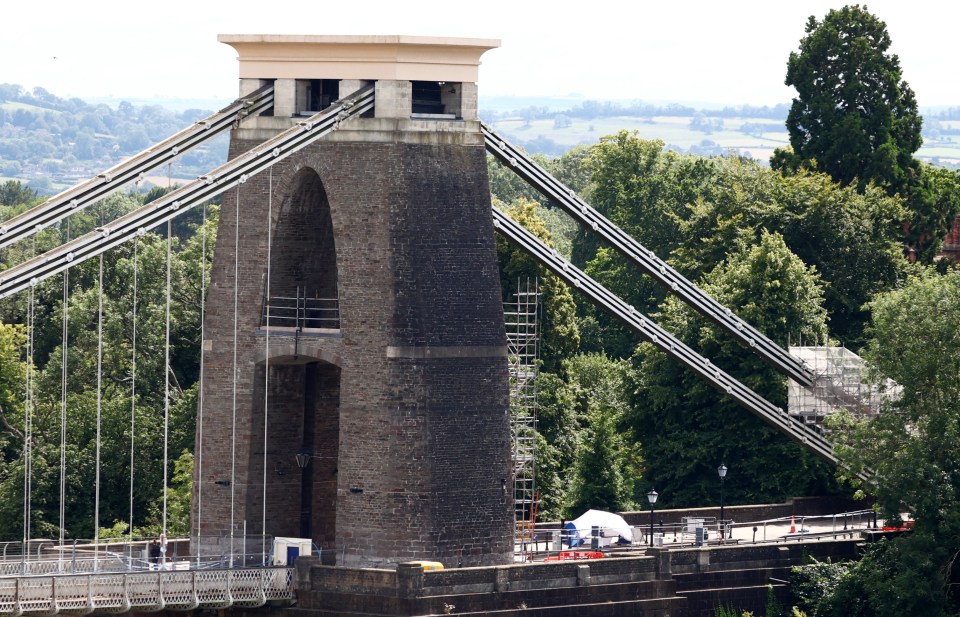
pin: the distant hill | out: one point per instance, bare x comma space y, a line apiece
546, 126
51, 143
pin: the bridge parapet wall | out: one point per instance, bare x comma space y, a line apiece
746, 557
678, 582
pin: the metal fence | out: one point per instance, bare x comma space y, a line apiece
301, 313
144, 591
550, 541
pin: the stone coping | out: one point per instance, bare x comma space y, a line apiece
363, 57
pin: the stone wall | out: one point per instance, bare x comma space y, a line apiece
416, 417
681, 583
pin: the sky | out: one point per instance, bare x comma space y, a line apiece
685, 51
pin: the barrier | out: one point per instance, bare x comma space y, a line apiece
146, 591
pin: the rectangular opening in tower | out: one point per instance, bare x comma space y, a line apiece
315, 95
436, 100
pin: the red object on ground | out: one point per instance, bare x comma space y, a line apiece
793, 528
570, 555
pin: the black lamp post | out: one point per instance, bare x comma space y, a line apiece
722, 472
652, 498
306, 491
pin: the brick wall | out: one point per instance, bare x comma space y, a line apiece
413, 395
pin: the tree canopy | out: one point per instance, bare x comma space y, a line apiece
854, 116
856, 119
910, 447
687, 428
119, 400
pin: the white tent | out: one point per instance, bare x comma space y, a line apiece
612, 528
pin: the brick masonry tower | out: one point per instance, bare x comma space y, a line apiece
359, 389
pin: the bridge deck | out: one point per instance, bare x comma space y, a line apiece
144, 590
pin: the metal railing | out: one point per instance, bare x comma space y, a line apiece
300, 313
550, 541
144, 591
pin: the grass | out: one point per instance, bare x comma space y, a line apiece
675, 131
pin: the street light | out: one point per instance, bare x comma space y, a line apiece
303, 459
722, 472
652, 497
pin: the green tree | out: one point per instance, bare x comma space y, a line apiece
559, 339
811, 584
856, 119
853, 239
507, 187
910, 445
12, 375
118, 401
602, 476
12, 193
645, 191
937, 196
583, 427
688, 428
854, 116
557, 430
179, 494
893, 578
558, 328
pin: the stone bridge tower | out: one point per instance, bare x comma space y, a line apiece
359, 388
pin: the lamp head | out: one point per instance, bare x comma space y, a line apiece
722, 471
652, 496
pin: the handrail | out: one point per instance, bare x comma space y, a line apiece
151, 590
300, 313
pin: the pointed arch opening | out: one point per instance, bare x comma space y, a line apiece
302, 294
301, 393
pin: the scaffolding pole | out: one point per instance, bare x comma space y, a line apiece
840, 383
523, 344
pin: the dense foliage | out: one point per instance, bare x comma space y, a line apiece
130, 399
687, 428
55, 141
789, 253
854, 115
856, 118
911, 447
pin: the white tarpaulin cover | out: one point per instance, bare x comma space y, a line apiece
612, 528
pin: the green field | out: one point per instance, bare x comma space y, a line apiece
675, 132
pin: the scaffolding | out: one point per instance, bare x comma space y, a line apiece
840, 384
523, 352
